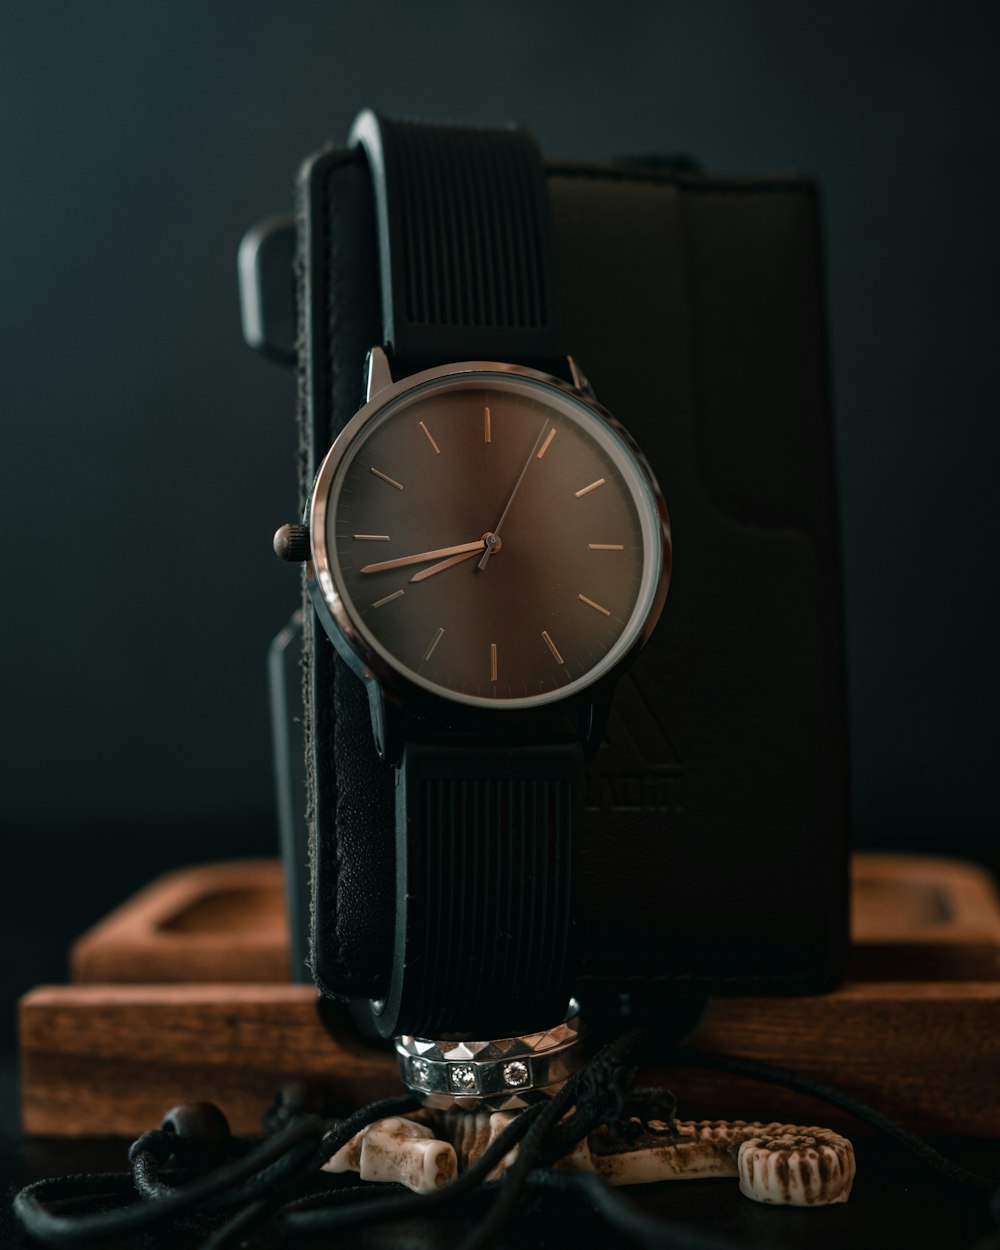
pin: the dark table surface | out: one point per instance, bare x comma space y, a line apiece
896, 1202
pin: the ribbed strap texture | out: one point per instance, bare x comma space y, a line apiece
486, 869
463, 224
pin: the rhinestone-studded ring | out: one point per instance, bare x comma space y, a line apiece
501, 1075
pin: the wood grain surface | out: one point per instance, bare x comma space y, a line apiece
213, 922
109, 1057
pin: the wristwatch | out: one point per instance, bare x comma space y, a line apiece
487, 550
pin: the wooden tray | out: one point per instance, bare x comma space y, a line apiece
183, 993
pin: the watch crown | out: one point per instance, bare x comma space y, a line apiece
291, 543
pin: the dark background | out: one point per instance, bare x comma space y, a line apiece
148, 456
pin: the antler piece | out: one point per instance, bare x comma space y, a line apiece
802, 1167
776, 1163
400, 1150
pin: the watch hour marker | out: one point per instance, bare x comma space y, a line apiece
486, 425
493, 661
434, 642
371, 538
430, 439
606, 546
391, 480
585, 490
591, 604
398, 594
545, 446
552, 647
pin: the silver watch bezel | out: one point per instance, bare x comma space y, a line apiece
333, 607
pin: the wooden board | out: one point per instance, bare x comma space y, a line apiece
109, 1057
214, 922
923, 918
100, 1060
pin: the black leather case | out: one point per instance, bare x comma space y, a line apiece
717, 810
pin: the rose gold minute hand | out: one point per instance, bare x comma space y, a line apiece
461, 549
493, 542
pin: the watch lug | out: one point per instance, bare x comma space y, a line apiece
386, 727
378, 375
579, 379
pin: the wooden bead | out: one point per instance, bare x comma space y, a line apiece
200, 1127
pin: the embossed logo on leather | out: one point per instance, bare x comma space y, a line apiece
637, 768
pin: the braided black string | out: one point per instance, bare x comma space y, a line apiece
532, 1125
609, 1098
341, 1216
802, 1084
33, 1205
261, 1211
586, 1083
622, 1214
266, 1182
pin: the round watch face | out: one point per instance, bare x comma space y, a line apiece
490, 537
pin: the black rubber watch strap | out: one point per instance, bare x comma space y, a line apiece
486, 833
487, 844
463, 228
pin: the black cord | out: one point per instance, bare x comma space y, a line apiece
152, 1187
532, 1125
266, 1182
609, 1061
737, 1066
282, 1187
260, 1210
622, 1214
299, 1220
33, 1204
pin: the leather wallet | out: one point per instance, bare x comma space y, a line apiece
717, 823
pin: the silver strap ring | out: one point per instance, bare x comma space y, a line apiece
504, 1074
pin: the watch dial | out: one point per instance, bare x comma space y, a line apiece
492, 538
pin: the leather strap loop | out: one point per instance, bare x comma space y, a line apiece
463, 228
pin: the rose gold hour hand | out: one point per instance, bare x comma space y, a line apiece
444, 564
461, 549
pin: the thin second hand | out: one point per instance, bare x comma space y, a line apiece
517, 485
